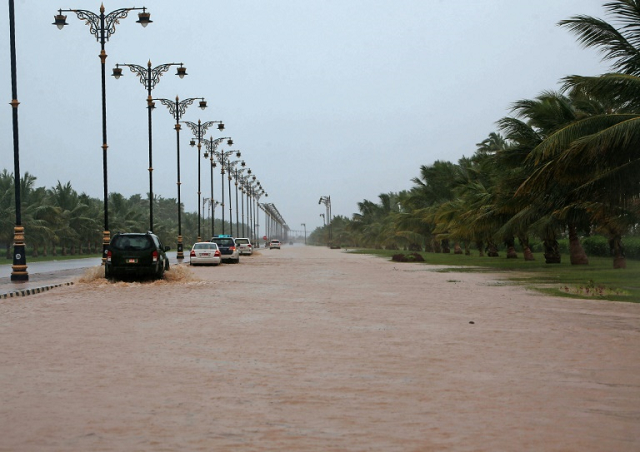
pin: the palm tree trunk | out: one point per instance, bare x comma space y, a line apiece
492, 249
551, 251
480, 246
457, 249
617, 250
511, 248
526, 249
576, 252
445, 246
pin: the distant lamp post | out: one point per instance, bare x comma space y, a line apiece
19, 269
214, 204
210, 152
305, 232
230, 169
223, 159
237, 174
199, 130
102, 26
244, 182
326, 200
177, 108
149, 77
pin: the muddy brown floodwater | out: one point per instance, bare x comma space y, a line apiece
312, 349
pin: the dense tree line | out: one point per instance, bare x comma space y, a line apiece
564, 164
59, 220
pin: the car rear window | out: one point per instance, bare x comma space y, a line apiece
205, 246
223, 242
242, 240
132, 242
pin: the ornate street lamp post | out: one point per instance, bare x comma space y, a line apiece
19, 268
326, 200
237, 174
223, 158
177, 108
149, 78
244, 185
102, 26
210, 152
199, 130
230, 168
213, 217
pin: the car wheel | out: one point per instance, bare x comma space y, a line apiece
166, 264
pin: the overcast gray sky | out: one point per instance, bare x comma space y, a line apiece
339, 98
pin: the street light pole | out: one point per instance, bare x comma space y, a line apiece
305, 232
19, 268
326, 200
177, 108
102, 26
199, 130
149, 78
237, 173
210, 152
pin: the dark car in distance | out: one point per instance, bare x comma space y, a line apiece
228, 248
135, 254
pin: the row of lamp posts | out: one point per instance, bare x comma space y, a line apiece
102, 27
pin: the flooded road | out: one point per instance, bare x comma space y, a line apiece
310, 349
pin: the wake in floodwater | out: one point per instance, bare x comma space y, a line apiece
176, 274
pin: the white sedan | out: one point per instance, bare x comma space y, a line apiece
205, 253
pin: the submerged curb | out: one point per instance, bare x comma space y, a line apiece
32, 291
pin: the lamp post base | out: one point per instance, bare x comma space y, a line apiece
180, 254
19, 268
106, 239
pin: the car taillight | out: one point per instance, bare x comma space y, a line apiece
248, 246
154, 256
193, 253
109, 256
217, 253
232, 248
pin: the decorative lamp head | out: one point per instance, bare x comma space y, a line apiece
144, 18
117, 72
60, 20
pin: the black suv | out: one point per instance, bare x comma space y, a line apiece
228, 248
136, 254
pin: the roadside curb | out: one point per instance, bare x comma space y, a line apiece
32, 291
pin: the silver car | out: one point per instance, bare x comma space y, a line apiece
274, 244
205, 253
244, 246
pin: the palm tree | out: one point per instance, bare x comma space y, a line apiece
600, 155
549, 203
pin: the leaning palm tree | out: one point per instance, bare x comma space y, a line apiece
600, 155
547, 115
